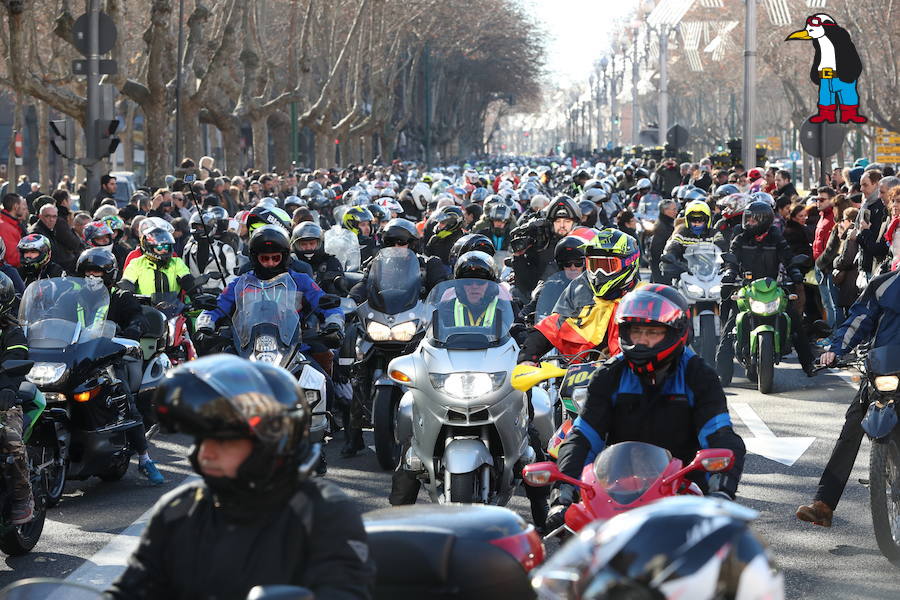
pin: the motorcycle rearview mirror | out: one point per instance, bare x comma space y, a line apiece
711, 460
16, 368
215, 275
280, 592
540, 474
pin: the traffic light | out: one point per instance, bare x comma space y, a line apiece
63, 141
107, 142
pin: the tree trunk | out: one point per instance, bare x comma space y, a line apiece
18, 126
260, 126
191, 135
156, 150
324, 150
280, 131
367, 148
388, 142
45, 177
231, 137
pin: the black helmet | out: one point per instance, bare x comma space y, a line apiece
34, 242
98, 259
726, 189
569, 250
682, 547
563, 207
653, 304
448, 219
378, 213
269, 239
762, 215
469, 243
399, 231
304, 232
475, 265
263, 215
225, 397
499, 212
7, 295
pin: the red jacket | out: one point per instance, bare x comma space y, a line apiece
823, 230
11, 233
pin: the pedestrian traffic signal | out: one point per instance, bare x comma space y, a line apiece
107, 142
63, 141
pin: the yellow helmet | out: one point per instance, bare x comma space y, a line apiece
697, 207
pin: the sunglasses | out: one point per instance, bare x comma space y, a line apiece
269, 260
608, 265
159, 248
573, 263
394, 243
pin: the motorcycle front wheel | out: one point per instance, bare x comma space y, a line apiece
765, 364
884, 496
708, 340
384, 416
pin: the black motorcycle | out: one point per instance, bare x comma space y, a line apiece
75, 353
389, 319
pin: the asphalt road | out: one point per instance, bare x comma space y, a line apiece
88, 536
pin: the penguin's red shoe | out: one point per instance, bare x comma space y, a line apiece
849, 114
827, 114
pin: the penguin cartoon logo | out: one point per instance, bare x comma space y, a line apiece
835, 69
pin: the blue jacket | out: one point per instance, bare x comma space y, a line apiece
875, 315
312, 293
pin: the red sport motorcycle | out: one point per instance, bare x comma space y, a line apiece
625, 476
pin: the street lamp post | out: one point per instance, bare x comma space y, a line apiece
749, 139
663, 83
635, 118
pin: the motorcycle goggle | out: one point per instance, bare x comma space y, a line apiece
608, 265
698, 219
161, 249
817, 22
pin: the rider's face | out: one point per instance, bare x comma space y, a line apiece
223, 458
365, 228
647, 335
307, 245
31, 254
563, 226
475, 290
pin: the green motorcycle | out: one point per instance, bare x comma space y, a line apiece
762, 329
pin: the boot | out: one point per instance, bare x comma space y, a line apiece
827, 114
818, 513
354, 442
322, 467
849, 114
404, 487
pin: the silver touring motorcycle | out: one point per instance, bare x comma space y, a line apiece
464, 428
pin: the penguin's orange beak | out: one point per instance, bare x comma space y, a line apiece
799, 35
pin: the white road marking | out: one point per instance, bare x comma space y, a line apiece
785, 450
101, 569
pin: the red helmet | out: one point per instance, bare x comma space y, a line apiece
653, 304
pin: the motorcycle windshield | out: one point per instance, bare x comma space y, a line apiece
394, 280
275, 301
62, 311
626, 470
550, 292
470, 314
343, 245
703, 260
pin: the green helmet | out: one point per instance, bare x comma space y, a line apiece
612, 261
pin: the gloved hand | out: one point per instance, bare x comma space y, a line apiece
132, 332
7, 399
333, 331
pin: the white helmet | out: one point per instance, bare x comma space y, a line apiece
390, 205
421, 194
154, 223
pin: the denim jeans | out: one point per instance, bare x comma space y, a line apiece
826, 290
834, 91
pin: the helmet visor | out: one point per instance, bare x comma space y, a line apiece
644, 306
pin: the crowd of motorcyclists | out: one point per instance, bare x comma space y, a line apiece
550, 252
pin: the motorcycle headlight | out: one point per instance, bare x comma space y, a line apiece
715, 290
765, 308
467, 385
886, 383
378, 332
267, 357
46, 373
694, 290
404, 331
266, 343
